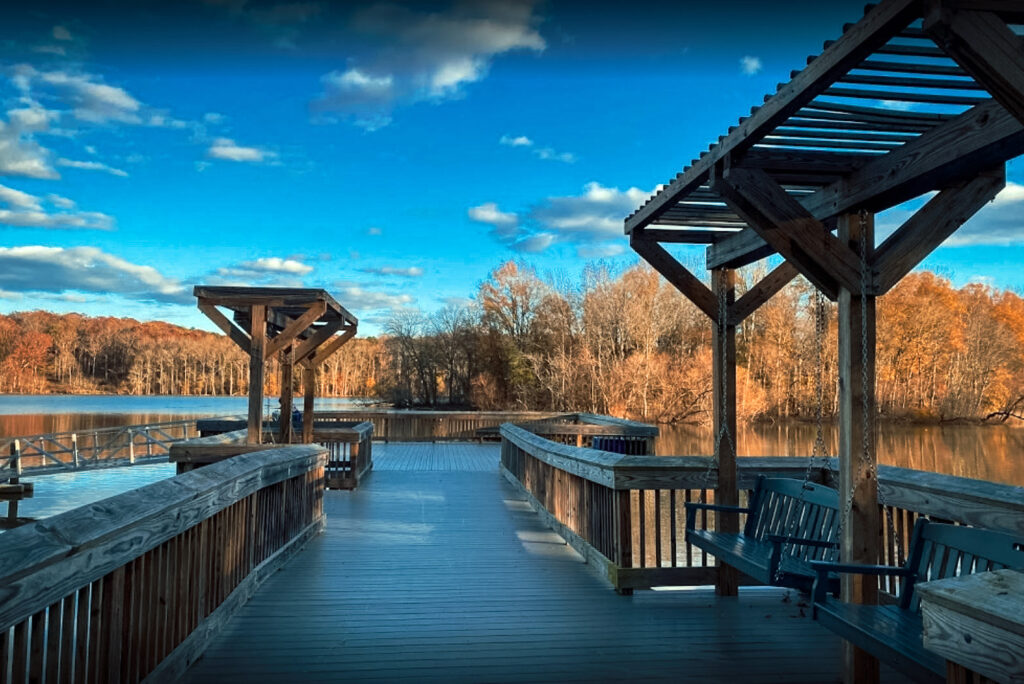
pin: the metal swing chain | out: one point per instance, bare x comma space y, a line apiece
819, 448
723, 430
868, 465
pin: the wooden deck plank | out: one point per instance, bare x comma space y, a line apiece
436, 570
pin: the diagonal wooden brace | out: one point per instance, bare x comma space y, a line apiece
675, 273
790, 229
323, 352
237, 335
933, 223
309, 346
765, 289
296, 326
984, 46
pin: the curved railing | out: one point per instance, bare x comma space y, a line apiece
134, 586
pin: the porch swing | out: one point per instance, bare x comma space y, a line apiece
789, 522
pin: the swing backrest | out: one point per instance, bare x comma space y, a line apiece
794, 508
939, 550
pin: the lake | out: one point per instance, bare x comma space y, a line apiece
994, 453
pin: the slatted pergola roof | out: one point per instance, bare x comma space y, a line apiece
900, 105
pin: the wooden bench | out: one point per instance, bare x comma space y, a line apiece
789, 523
893, 633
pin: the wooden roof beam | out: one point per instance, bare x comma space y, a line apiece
961, 148
294, 327
869, 34
765, 289
984, 46
237, 335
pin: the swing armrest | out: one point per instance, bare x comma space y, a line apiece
693, 507
823, 568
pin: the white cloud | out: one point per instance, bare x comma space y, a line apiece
592, 221
548, 153
750, 65
225, 148
23, 210
409, 272
214, 118
427, 56
68, 270
278, 265
999, 223
358, 299
373, 230
517, 141
91, 166
50, 50
20, 154
92, 100
267, 271
61, 33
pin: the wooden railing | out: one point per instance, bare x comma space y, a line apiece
134, 586
626, 514
349, 447
430, 426
12, 489
97, 448
589, 430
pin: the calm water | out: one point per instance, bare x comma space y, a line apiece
994, 453
984, 452
38, 414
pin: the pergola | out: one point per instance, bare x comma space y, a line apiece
916, 97
302, 326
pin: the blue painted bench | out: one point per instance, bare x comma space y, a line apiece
894, 633
789, 523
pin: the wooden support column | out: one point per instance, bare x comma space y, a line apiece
258, 340
723, 282
309, 393
287, 362
858, 485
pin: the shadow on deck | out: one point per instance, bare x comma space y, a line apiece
435, 569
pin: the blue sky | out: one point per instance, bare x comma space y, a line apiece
391, 153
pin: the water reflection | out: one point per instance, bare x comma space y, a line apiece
987, 452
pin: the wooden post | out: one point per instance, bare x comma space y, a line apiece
723, 282
309, 391
284, 432
858, 486
12, 506
258, 336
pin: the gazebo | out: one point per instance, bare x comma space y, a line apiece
301, 326
915, 98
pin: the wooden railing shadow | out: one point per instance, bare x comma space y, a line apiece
133, 587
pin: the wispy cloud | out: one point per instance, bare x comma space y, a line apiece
592, 221
547, 153
274, 271
61, 33
404, 272
20, 153
63, 270
424, 56
999, 223
91, 166
227, 149
750, 65
23, 210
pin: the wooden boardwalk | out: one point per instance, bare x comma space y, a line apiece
436, 570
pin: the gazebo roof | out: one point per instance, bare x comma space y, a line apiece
883, 115
284, 304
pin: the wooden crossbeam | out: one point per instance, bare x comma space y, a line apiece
985, 47
329, 348
294, 327
676, 274
765, 289
963, 147
309, 346
237, 335
930, 225
790, 229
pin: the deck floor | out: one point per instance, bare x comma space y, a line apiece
435, 569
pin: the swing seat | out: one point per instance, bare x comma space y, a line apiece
789, 524
894, 633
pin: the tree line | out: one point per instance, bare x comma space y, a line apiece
617, 342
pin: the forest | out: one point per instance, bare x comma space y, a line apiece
618, 342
